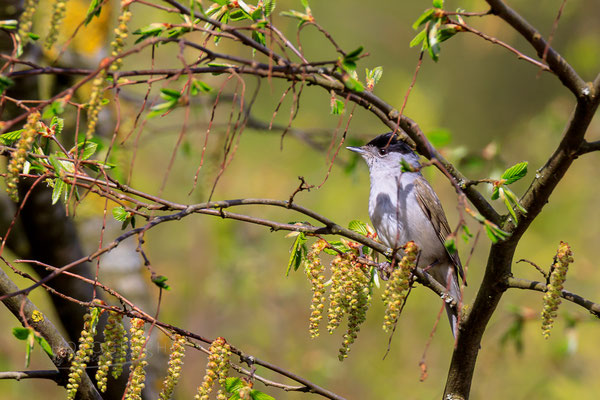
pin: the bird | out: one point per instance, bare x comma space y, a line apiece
403, 207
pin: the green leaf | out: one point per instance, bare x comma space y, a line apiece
304, 3
450, 245
420, 37
490, 234
433, 45
53, 110
86, 149
514, 200
508, 205
423, 18
269, 7
58, 167
44, 344
9, 138
515, 172
256, 395
405, 166
155, 29
466, 233
59, 186
297, 253
373, 76
93, 11
337, 107
161, 282
438, 3
121, 214
169, 94
33, 36
5, 83
358, 227
353, 84
259, 37
29, 347
21, 333
233, 385
336, 244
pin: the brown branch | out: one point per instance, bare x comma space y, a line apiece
588, 147
589, 305
21, 305
53, 375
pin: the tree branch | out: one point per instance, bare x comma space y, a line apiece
518, 283
53, 375
21, 306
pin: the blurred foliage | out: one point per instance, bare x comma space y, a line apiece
487, 111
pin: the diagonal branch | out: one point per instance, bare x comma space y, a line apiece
21, 306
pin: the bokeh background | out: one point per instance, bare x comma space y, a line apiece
485, 107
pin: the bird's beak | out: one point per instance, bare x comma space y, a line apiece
358, 150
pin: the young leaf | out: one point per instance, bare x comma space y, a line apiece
93, 11
87, 149
120, 214
423, 18
233, 385
10, 137
420, 37
438, 3
5, 83
256, 395
161, 282
297, 253
44, 344
358, 227
508, 205
21, 333
450, 245
269, 7
515, 173
59, 186
337, 106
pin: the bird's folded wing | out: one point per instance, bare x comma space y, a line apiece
431, 206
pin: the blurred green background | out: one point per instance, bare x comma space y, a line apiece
228, 278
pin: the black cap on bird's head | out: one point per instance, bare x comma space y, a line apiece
389, 142
382, 145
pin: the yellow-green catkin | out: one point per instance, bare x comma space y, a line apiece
95, 104
552, 299
113, 354
84, 352
217, 369
121, 33
58, 15
397, 286
314, 272
138, 361
177, 352
17, 161
341, 287
26, 19
358, 298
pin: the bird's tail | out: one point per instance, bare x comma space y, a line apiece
453, 290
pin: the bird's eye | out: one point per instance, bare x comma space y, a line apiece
383, 151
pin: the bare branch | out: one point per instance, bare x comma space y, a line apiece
518, 283
53, 375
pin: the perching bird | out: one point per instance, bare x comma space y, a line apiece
404, 207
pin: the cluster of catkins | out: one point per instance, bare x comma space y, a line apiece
217, 369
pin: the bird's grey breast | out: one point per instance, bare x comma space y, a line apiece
390, 204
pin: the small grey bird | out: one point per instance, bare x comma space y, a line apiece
404, 207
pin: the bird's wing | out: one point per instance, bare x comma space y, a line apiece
431, 206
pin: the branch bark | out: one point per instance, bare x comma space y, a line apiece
61, 349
